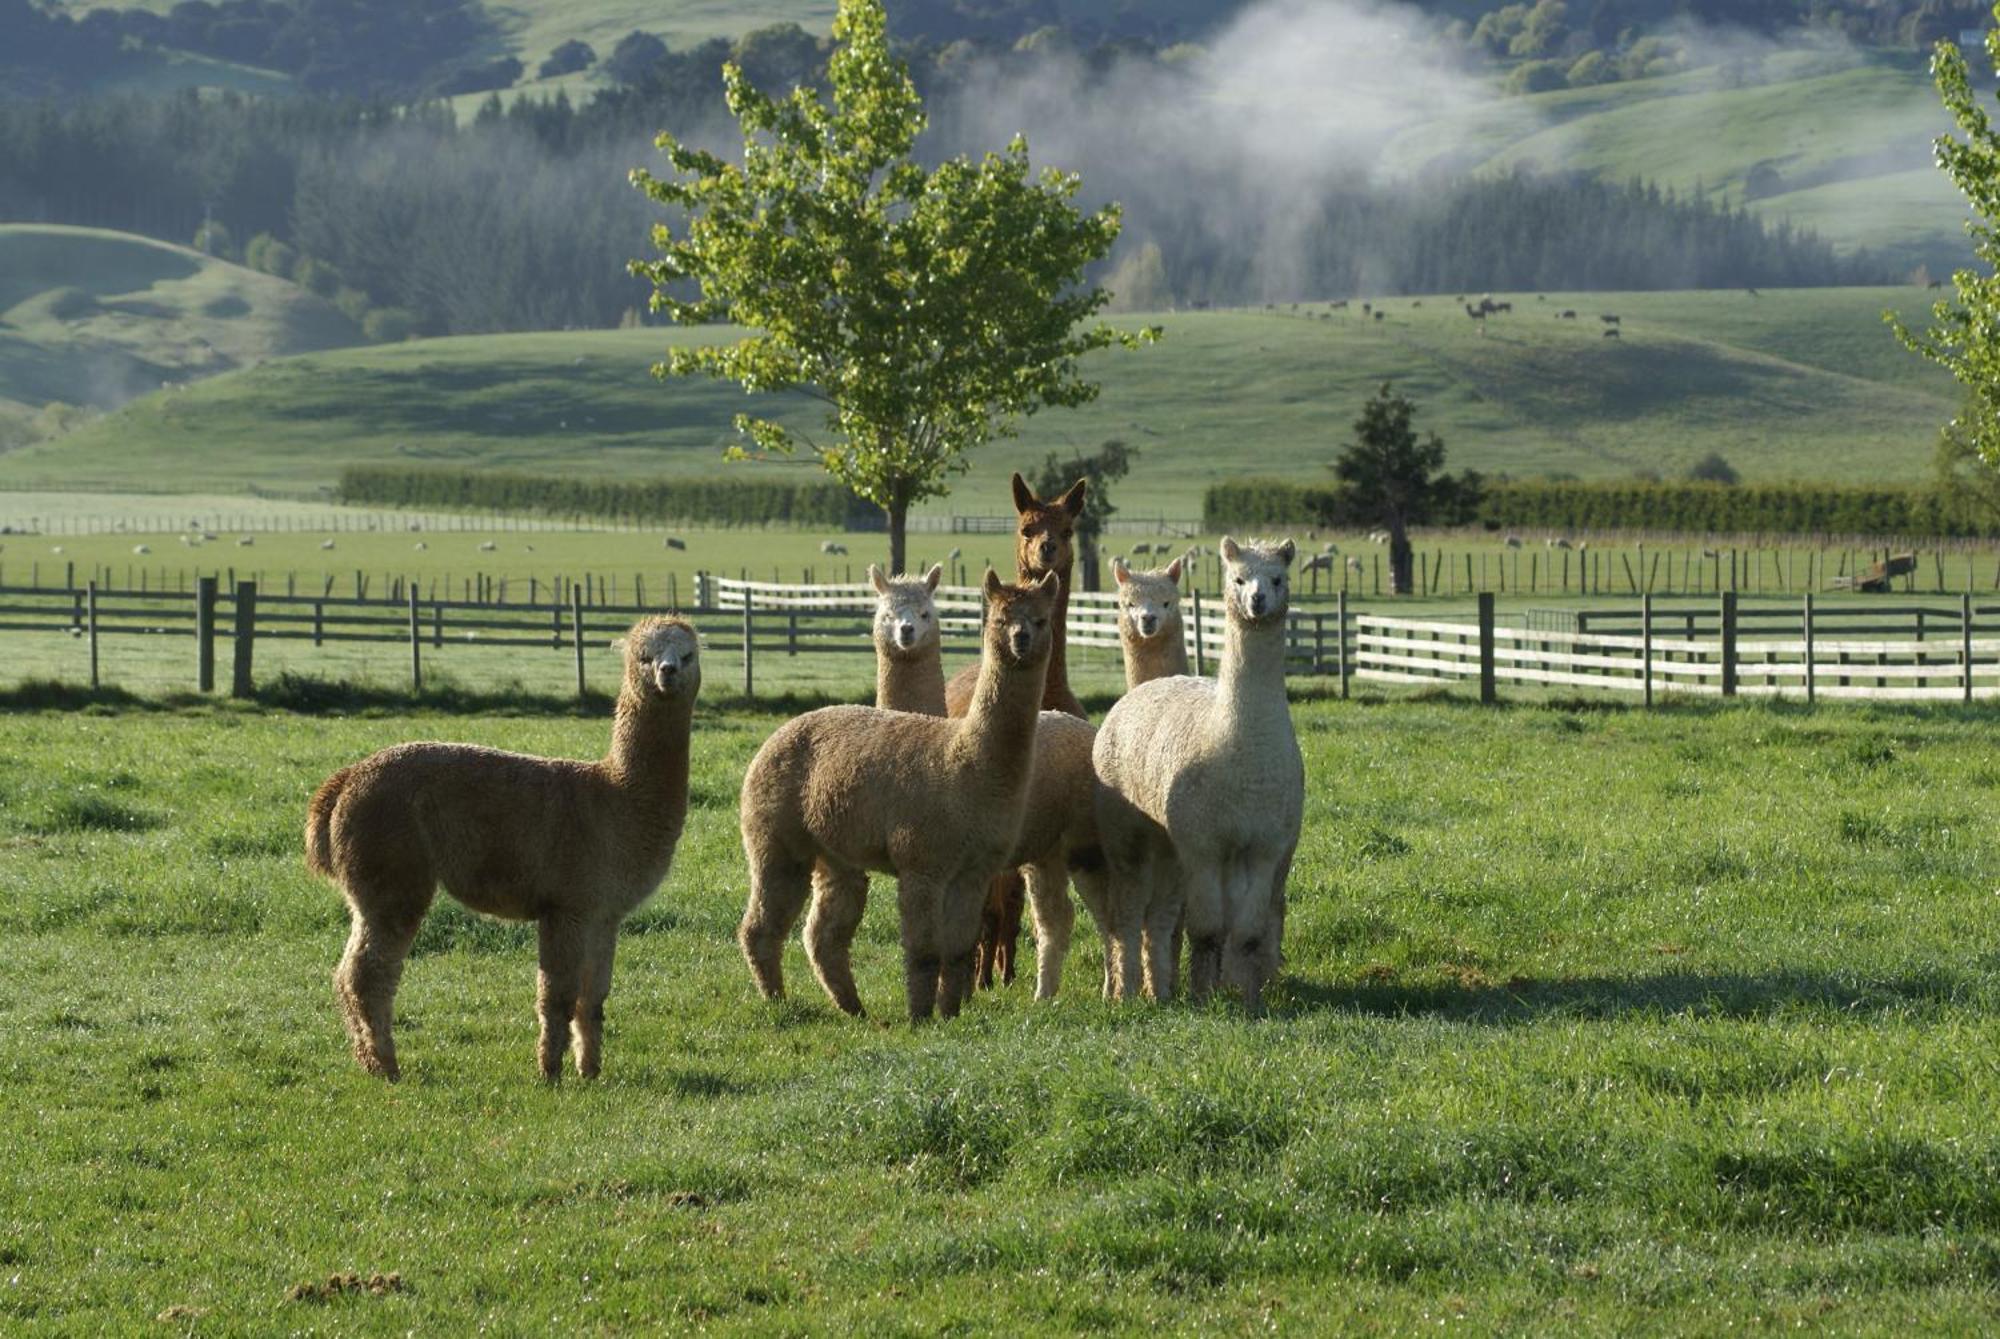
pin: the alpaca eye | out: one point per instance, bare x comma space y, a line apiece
1279, 582
1237, 580
925, 616
1041, 622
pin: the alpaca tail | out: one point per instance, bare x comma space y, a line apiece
319, 822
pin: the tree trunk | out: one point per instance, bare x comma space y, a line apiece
1399, 562
898, 513
1088, 561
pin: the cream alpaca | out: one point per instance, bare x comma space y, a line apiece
909, 672
1150, 632
1200, 791
573, 846
841, 791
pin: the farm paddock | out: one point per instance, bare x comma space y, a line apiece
1592, 1017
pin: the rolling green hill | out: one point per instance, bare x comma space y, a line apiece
92, 319
1797, 384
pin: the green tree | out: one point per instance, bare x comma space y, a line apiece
1396, 479
1964, 336
1967, 486
1713, 468
927, 309
1110, 462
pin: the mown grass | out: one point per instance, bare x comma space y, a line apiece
1592, 1019
1794, 384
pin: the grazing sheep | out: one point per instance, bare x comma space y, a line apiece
55, 548
1044, 542
1140, 549
142, 549
909, 671
1556, 543
832, 547
1566, 314
679, 544
841, 791
326, 544
245, 541
488, 546
1513, 541
1200, 791
420, 546
573, 846
1609, 318
1612, 333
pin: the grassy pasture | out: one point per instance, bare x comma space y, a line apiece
1795, 384
1592, 1020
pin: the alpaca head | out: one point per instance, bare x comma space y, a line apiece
662, 657
1044, 539
1256, 586
1149, 603
905, 611
1017, 619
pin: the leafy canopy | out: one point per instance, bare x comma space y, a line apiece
1390, 473
1965, 333
927, 308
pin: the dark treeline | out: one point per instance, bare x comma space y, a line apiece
1912, 511
521, 218
734, 501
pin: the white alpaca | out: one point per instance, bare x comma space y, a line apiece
1150, 632
1200, 789
909, 669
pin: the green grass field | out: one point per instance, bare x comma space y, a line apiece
1593, 1020
1795, 384
92, 318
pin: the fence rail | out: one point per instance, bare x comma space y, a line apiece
1724, 647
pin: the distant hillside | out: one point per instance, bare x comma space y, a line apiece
1797, 384
92, 319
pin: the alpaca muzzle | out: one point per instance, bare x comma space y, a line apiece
1020, 641
906, 635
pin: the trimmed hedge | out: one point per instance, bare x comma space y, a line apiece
1847, 509
818, 505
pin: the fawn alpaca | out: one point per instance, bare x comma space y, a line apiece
573, 846
1200, 791
909, 673
841, 791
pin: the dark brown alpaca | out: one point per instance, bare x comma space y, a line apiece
572, 846
1044, 542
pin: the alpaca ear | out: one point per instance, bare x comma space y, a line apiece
1120, 573
1174, 569
618, 645
992, 585
1072, 501
935, 575
877, 580
1024, 496
1050, 585
1287, 551
1230, 553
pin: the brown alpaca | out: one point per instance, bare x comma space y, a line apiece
572, 846
841, 791
1044, 542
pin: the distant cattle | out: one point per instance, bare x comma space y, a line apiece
1566, 314
1609, 318
673, 543
1380, 315
1612, 333
833, 547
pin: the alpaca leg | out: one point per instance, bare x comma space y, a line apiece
1013, 901
1055, 918
778, 891
1129, 886
1162, 949
1206, 927
587, 1023
1247, 954
917, 904
370, 970
839, 897
564, 948
957, 939
986, 954
1091, 888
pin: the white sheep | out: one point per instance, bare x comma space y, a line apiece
1200, 790
574, 846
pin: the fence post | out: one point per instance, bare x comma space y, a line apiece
1646, 647
91, 616
1198, 669
1487, 693
1728, 643
1964, 632
748, 682
1340, 639
246, 636
576, 628
1812, 681
416, 643
204, 633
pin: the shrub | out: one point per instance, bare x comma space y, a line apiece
568, 58
819, 503
1537, 76
389, 325
316, 276
1713, 469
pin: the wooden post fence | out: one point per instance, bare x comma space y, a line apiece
576, 630
749, 685
1487, 691
90, 617
1198, 668
240, 684
1728, 640
1812, 678
204, 633
1340, 638
416, 644
1646, 646
1964, 634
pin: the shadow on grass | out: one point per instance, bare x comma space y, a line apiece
1744, 995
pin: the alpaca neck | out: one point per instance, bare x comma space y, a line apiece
1055, 688
1250, 681
649, 749
998, 729
910, 680
1154, 657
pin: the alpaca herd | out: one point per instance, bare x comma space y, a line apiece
1176, 819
